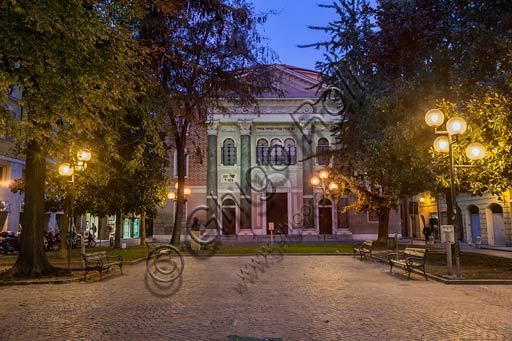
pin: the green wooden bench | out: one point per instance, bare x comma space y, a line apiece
99, 261
410, 259
363, 249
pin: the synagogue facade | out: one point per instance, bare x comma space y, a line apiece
249, 168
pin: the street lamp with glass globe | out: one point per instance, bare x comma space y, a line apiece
78, 163
321, 182
443, 143
173, 196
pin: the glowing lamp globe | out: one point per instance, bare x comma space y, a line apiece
171, 196
456, 126
441, 144
434, 118
83, 155
187, 191
65, 169
323, 174
315, 180
333, 186
475, 151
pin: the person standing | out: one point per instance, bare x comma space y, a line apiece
427, 232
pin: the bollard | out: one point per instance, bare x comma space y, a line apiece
478, 242
431, 240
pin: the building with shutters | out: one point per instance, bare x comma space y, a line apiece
11, 168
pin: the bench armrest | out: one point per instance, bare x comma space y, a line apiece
409, 260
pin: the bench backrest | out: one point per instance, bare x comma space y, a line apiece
94, 256
368, 244
415, 252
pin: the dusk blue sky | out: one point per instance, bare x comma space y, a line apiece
288, 28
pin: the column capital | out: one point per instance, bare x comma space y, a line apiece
306, 127
213, 128
245, 127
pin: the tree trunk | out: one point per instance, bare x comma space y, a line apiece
32, 261
143, 228
180, 200
119, 225
383, 213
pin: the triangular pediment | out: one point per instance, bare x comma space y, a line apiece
294, 83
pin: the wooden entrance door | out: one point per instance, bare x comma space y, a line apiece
228, 221
277, 210
228, 217
325, 216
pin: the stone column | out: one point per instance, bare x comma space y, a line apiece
211, 181
308, 210
245, 185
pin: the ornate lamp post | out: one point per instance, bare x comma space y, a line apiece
68, 169
321, 181
174, 197
443, 143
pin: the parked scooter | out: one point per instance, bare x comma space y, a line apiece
9, 242
75, 240
51, 242
89, 242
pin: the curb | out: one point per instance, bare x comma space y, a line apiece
134, 261
51, 281
494, 249
284, 254
448, 281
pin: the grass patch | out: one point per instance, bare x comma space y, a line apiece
129, 254
472, 266
252, 249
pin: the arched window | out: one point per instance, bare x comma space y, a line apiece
322, 148
276, 152
228, 152
290, 151
262, 152
228, 202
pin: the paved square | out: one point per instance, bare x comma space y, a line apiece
299, 298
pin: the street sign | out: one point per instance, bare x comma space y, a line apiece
447, 234
271, 226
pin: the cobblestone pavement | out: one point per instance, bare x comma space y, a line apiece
299, 298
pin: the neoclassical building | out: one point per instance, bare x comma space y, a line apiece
250, 167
